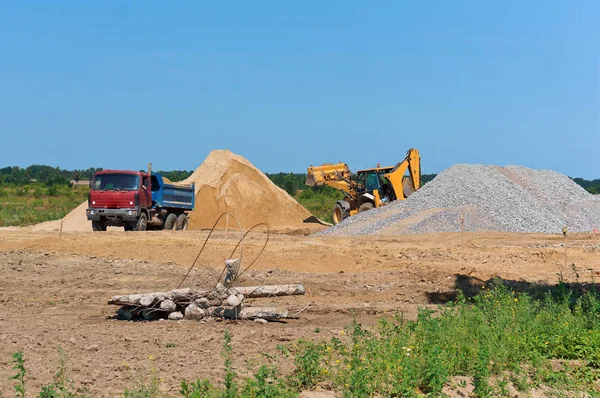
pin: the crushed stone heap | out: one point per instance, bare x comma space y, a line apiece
484, 198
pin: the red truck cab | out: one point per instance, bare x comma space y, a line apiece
117, 198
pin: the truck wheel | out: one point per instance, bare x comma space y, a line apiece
98, 226
183, 222
365, 206
171, 222
142, 223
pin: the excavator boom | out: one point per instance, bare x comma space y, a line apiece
405, 186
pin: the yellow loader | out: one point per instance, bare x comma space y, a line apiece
369, 188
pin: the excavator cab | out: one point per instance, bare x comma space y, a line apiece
372, 181
368, 181
372, 188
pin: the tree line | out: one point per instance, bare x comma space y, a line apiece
294, 182
290, 182
50, 176
592, 186
43, 174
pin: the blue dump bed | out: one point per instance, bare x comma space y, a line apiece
171, 195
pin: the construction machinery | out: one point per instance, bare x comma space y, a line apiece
369, 188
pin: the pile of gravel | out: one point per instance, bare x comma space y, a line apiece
484, 198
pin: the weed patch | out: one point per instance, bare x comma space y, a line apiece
21, 206
494, 333
496, 340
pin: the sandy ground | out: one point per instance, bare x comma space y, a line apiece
53, 292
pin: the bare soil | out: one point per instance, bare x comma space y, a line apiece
53, 292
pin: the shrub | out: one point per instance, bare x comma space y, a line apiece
19, 377
38, 192
497, 331
52, 190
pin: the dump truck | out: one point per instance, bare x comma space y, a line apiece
138, 201
368, 188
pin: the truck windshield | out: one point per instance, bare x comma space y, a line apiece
117, 182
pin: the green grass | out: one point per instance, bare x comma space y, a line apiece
32, 204
319, 201
496, 340
498, 333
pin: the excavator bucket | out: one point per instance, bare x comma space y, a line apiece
319, 175
407, 186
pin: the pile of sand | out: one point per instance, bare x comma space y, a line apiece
224, 182
228, 182
75, 221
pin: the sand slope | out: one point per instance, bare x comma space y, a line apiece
228, 182
75, 221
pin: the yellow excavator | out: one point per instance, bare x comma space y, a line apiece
370, 188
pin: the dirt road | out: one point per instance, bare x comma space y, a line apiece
53, 292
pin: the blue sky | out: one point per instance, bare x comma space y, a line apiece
116, 84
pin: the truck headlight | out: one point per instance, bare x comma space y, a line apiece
92, 212
129, 212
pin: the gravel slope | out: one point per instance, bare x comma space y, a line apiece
484, 198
